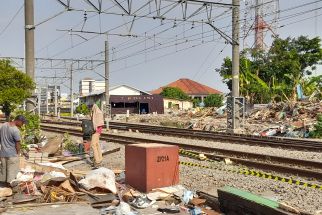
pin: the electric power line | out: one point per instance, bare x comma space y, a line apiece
11, 20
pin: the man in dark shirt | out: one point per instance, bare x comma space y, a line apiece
10, 148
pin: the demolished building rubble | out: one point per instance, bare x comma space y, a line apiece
275, 119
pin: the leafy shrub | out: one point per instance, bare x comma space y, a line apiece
317, 132
69, 145
214, 100
82, 109
30, 132
196, 102
174, 93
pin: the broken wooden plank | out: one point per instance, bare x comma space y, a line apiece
43, 168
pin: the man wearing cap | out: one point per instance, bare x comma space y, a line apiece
10, 149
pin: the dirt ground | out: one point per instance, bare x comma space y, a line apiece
67, 209
191, 178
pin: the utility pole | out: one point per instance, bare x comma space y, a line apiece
29, 43
55, 100
47, 108
39, 100
71, 91
107, 84
235, 62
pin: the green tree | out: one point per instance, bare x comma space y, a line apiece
274, 74
214, 100
82, 109
15, 87
174, 93
252, 87
317, 132
196, 102
30, 132
312, 86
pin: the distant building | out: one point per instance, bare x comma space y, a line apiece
123, 98
47, 98
88, 85
191, 88
51, 93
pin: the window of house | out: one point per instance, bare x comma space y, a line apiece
117, 104
131, 105
169, 104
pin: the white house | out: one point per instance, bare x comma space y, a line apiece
120, 90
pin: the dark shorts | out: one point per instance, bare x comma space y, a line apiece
87, 137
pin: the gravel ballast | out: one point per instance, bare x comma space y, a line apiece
264, 150
209, 180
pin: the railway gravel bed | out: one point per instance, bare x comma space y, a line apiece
295, 167
264, 150
208, 180
306, 199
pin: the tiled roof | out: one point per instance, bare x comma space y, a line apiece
190, 87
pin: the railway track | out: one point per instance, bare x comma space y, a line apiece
294, 167
285, 143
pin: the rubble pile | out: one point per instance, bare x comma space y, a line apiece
283, 119
44, 179
286, 119
287, 112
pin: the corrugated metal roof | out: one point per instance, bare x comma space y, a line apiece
190, 87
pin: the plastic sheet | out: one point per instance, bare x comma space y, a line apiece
101, 178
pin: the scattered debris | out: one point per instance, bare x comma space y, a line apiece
5, 192
100, 178
53, 145
276, 119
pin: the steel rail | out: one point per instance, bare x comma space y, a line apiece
297, 144
311, 169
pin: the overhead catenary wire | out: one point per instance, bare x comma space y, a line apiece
84, 42
11, 20
142, 41
162, 56
300, 13
293, 15
74, 26
174, 40
219, 53
95, 36
172, 45
165, 55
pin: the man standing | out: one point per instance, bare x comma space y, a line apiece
10, 148
98, 123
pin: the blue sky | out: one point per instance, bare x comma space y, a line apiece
149, 69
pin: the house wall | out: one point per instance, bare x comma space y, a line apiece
155, 102
182, 105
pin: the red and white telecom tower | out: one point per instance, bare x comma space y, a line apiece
260, 22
